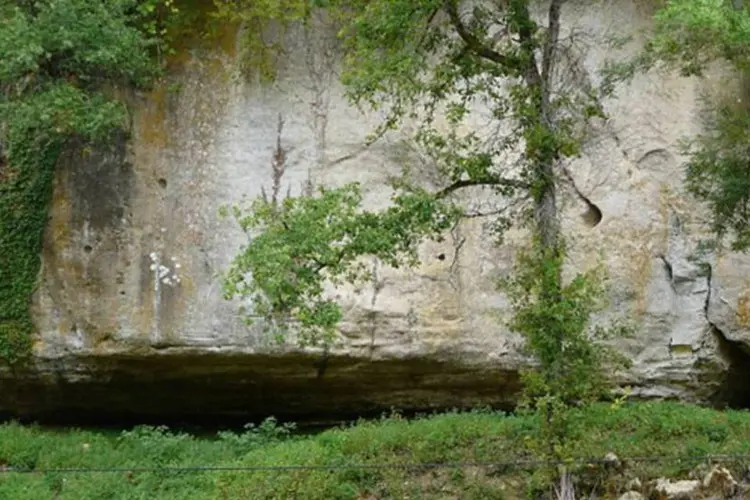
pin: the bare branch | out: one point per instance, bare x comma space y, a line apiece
486, 182
526, 38
456, 250
278, 164
474, 44
427, 25
365, 147
474, 215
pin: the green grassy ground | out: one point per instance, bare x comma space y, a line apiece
643, 429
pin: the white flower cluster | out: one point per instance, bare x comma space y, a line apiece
163, 273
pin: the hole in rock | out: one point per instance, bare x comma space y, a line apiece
162, 182
593, 215
88, 248
441, 256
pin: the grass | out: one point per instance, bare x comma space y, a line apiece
642, 429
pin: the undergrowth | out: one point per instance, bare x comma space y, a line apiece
643, 429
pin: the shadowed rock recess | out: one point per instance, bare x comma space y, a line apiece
130, 318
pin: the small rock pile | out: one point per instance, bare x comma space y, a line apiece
717, 484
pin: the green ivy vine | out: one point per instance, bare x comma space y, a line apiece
24, 193
57, 58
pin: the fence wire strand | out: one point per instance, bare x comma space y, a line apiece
510, 464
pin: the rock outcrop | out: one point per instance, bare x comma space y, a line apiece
129, 309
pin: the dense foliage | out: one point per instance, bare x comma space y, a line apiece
546, 323
57, 59
304, 240
639, 430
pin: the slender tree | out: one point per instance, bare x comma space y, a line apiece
421, 61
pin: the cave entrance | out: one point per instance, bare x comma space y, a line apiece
734, 392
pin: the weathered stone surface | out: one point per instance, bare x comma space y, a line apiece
631, 495
676, 490
719, 481
634, 485
114, 338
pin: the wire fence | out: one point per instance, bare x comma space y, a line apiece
505, 465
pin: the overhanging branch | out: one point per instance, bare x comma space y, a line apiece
474, 44
480, 182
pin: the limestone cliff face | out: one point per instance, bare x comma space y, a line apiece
129, 308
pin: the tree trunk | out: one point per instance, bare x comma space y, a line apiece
548, 222
546, 215
544, 156
545, 211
